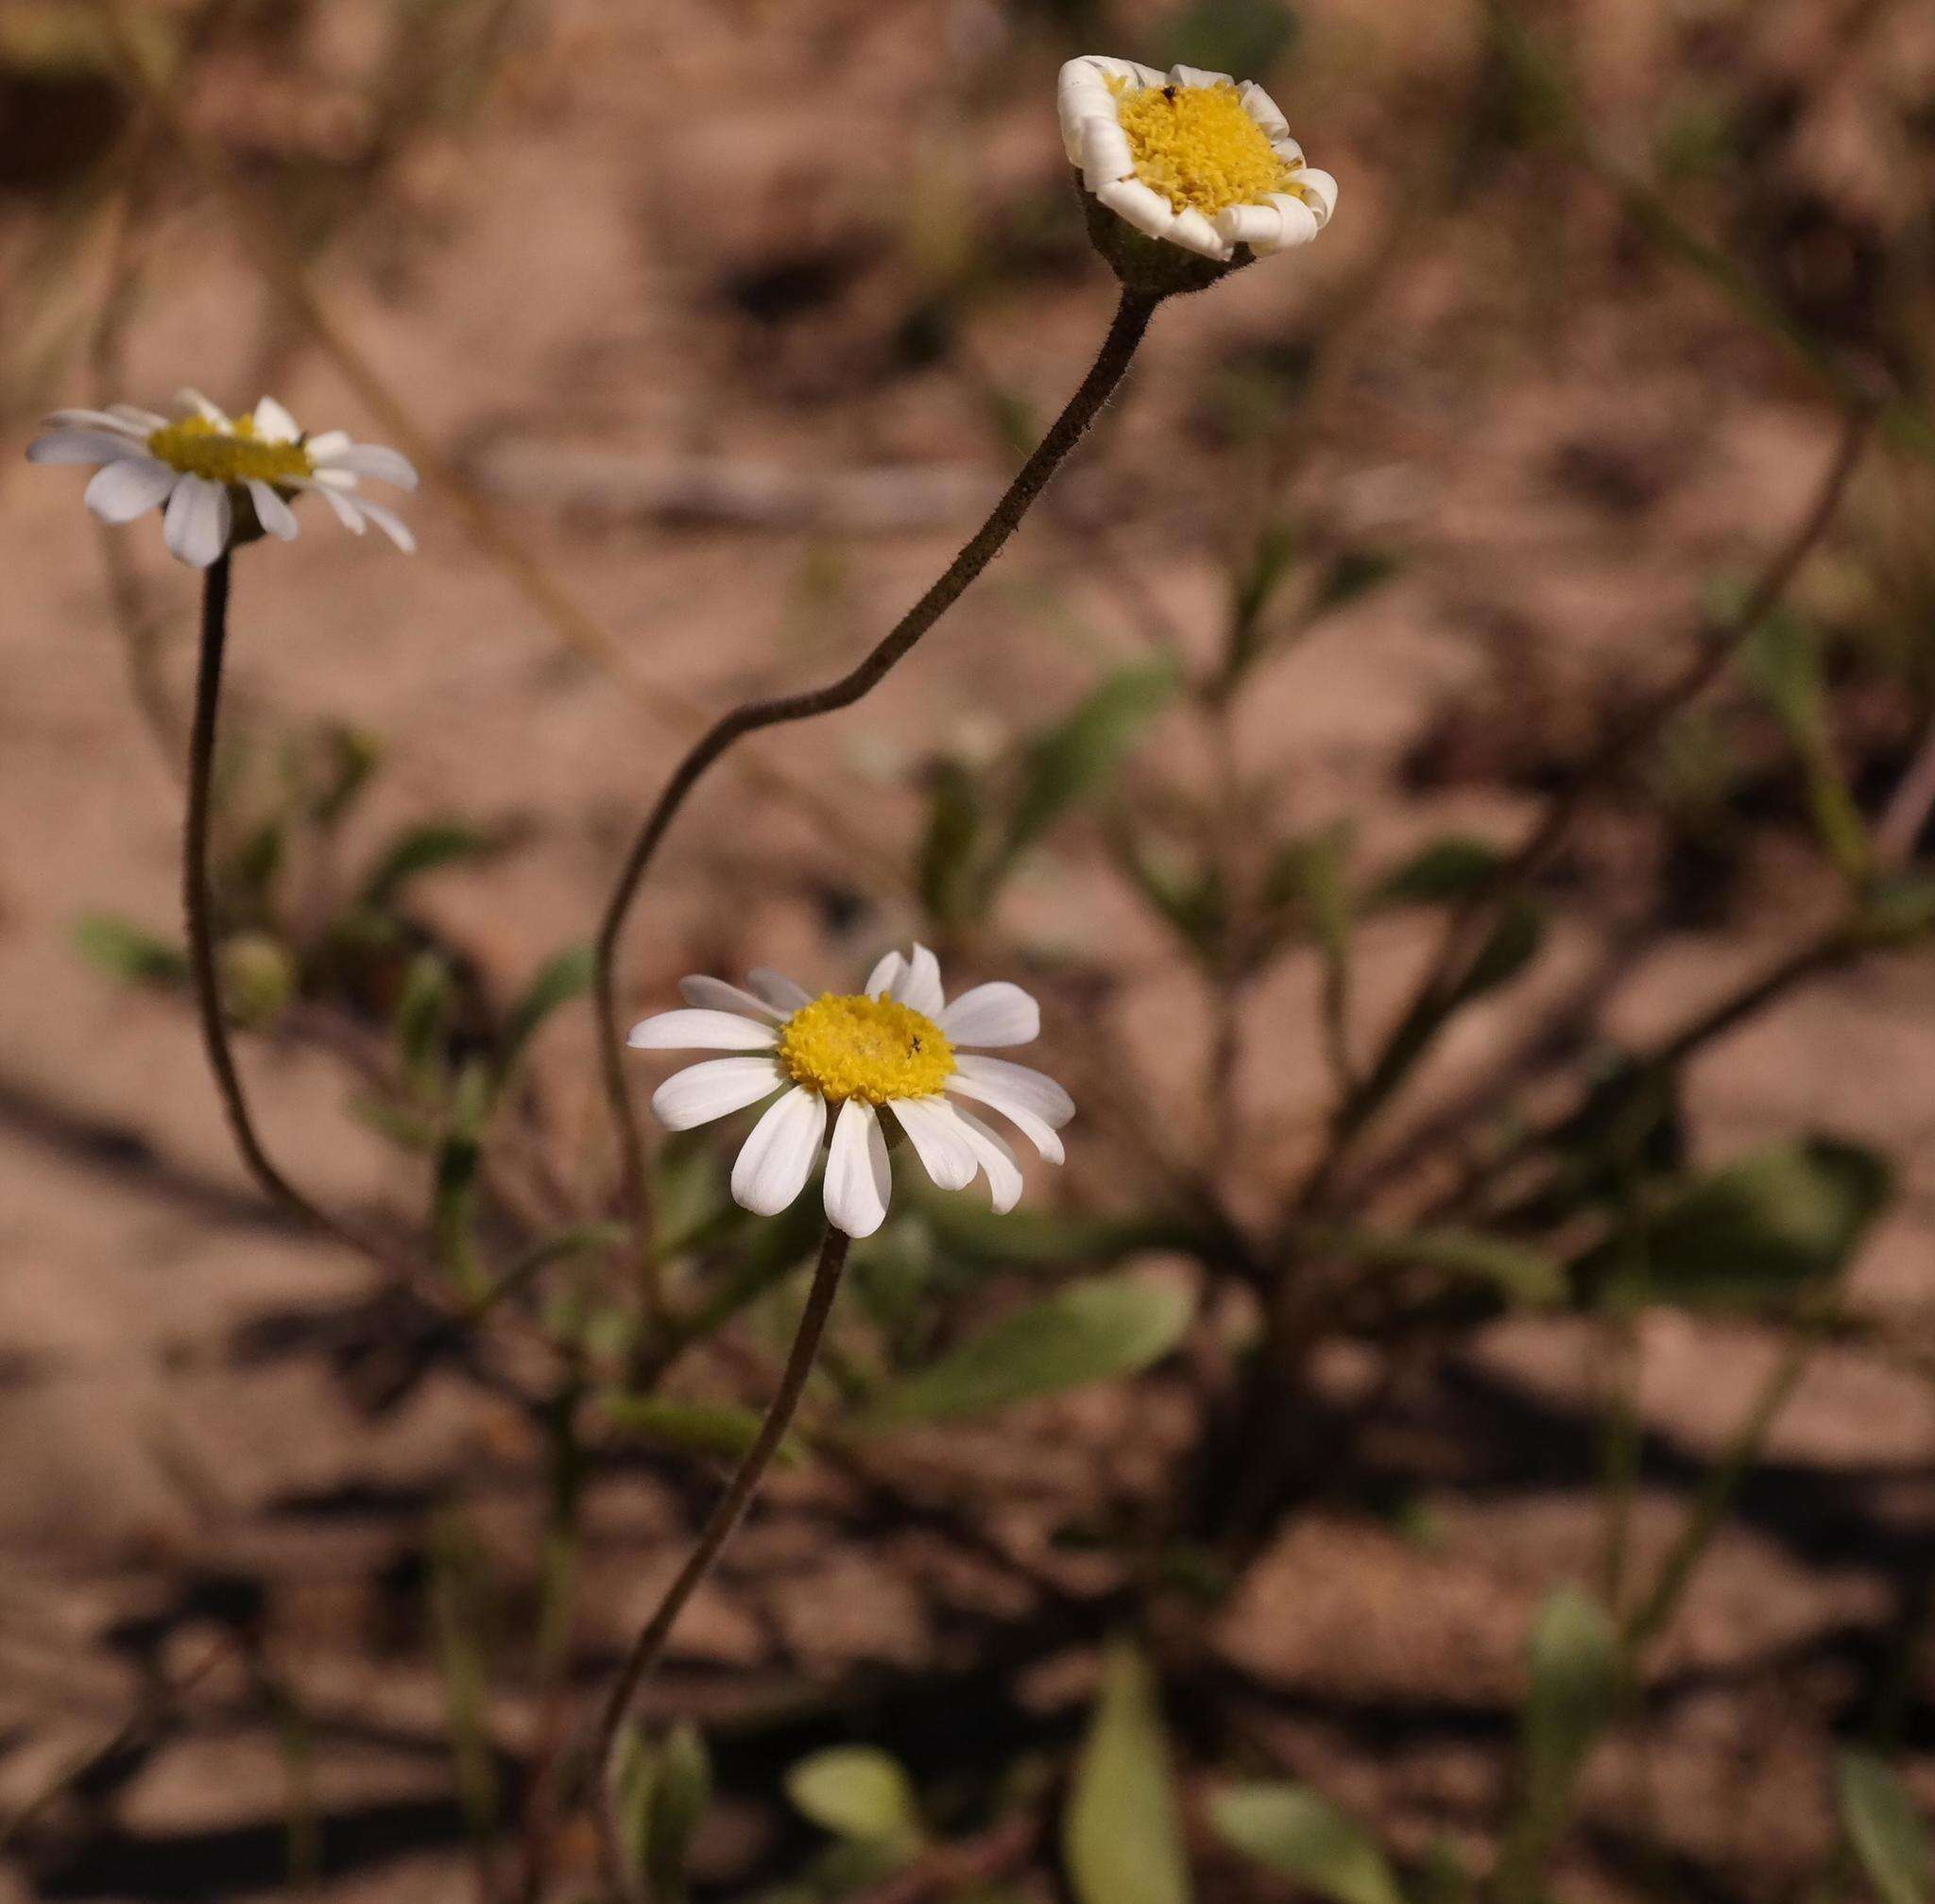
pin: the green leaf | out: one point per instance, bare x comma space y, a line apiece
1074, 759
1094, 1330
1446, 871
458, 1160
1884, 1828
856, 1792
1352, 573
1186, 891
945, 863
1121, 1835
423, 1021
716, 1429
661, 1796
128, 951
1758, 1230
1576, 1672
560, 980
421, 850
1297, 1833
1272, 564
973, 1233
1522, 1275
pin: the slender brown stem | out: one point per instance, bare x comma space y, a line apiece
650, 1644
1119, 348
198, 902
1465, 933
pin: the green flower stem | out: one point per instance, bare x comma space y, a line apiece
720, 1524
1118, 349
198, 903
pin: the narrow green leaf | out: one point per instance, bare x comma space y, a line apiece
1885, 1830
944, 865
1074, 759
1520, 1273
421, 850
423, 1020
560, 980
682, 1789
1352, 573
1297, 1833
721, 1430
454, 1194
1757, 1229
973, 1233
128, 951
1121, 1835
1446, 871
858, 1793
1093, 1331
1272, 564
1576, 1667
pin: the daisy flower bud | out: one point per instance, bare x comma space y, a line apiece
897, 1044
1187, 174
220, 481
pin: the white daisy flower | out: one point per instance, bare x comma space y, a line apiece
899, 1043
1190, 157
206, 466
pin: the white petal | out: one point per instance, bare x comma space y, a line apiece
135, 418
120, 491
1263, 110
1193, 232
1300, 224
1034, 1089
1287, 150
81, 446
858, 1177
347, 512
775, 1161
193, 400
778, 989
274, 424
934, 1132
1147, 210
342, 481
272, 512
196, 525
1082, 89
1318, 190
1105, 153
996, 1014
700, 1092
1261, 227
1041, 1135
111, 420
1198, 76
702, 1030
919, 986
325, 444
714, 994
885, 975
997, 1158
390, 524
368, 460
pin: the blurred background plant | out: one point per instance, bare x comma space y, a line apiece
1169, 1537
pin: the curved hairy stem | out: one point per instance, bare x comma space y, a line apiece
198, 905
650, 1644
1131, 321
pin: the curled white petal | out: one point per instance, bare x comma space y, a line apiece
715, 1088
778, 991
1082, 89
1300, 224
198, 522
274, 424
775, 1161
919, 985
1318, 190
1105, 153
886, 973
366, 459
859, 1179
996, 1014
1264, 111
934, 1131
272, 512
1260, 227
997, 1158
702, 1030
714, 994
1197, 76
1193, 232
1144, 208
1287, 150
120, 491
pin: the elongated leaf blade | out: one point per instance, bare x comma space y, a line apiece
1121, 1835
1298, 1833
1888, 1834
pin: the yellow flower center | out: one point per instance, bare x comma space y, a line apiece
198, 448
1198, 147
870, 1048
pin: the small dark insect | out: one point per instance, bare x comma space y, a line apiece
1169, 93
917, 1041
